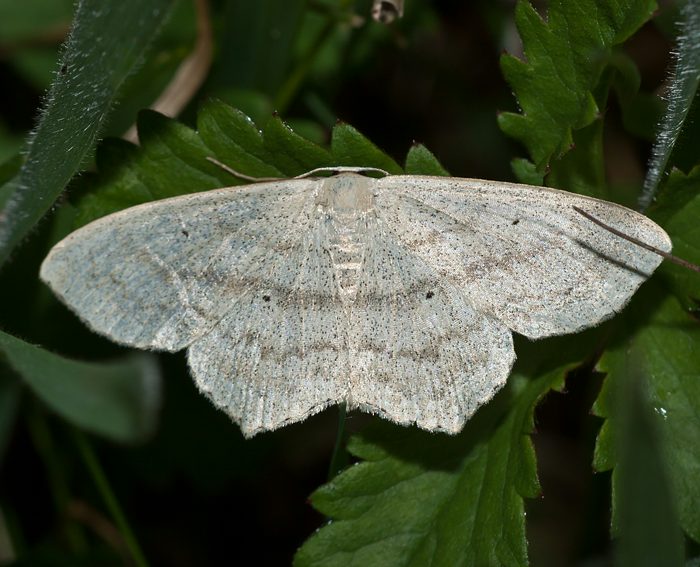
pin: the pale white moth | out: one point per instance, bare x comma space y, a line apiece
397, 296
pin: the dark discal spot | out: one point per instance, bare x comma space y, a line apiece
187, 234
516, 221
266, 298
64, 69
429, 295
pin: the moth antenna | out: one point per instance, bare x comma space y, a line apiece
665, 255
240, 175
343, 169
337, 169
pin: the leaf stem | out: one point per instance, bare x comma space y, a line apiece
40, 434
339, 457
100, 479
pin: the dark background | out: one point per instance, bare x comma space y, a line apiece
197, 493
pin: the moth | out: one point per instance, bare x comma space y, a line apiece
397, 296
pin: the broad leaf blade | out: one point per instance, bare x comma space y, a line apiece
172, 159
106, 43
295, 154
235, 138
665, 343
565, 56
348, 145
677, 210
119, 400
649, 533
424, 499
421, 161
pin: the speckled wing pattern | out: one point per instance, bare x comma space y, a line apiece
521, 253
396, 295
161, 275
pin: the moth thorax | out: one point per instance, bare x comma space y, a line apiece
347, 199
346, 193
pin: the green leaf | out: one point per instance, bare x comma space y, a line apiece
252, 103
663, 345
677, 210
425, 499
640, 111
349, 147
172, 159
235, 139
526, 172
649, 533
31, 18
565, 57
294, 154
258, 43
581, 170
172, 45
116, 159
106, 43
8, 169
681, 92
119, 400
421, 161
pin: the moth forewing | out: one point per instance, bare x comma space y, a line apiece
396, 295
